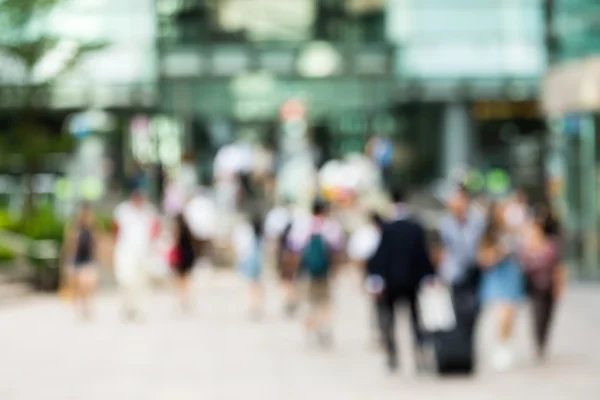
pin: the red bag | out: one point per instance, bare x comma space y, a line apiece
174, 257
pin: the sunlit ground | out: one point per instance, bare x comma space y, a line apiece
218, 353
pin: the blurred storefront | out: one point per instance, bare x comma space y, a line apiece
119, 80
227, 68
473, 68
396, 68
571, 101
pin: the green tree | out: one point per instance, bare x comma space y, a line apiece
25, 43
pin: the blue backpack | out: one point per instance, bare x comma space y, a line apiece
315, 258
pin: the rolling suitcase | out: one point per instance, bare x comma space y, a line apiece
447, 320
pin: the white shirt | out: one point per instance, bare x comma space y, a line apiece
364, 243
276, 222
226, 162
187, 179
304, 228
135, 227
202, 216
174, 200
244, 241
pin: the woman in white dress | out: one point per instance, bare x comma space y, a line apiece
137, 225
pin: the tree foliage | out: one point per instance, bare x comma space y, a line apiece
25, 41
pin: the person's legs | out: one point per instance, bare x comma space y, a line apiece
386, 316
324, 312
137, 292
87, 279
319, 313
289, 292
182, 283
414, 318
288, 283
76, 287
128, 299
255, 297
376, 331
506, 312
543, 310
310, 322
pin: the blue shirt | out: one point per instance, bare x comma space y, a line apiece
461, 241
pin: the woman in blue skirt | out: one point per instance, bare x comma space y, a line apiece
502, 285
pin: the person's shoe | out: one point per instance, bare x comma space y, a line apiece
392, 364
420, 361
290, 310
255, 314
325, 338
503, 360
128, 315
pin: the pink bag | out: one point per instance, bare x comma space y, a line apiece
174, 257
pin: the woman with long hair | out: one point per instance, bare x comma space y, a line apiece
541, 258
81, 244
502, 285
185, 258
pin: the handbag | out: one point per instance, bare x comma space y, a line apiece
174, 256
436, 310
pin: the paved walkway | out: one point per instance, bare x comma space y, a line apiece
47, 354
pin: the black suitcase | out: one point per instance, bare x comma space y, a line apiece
453, 351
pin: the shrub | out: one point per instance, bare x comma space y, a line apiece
7, 222
6, 255
42, 224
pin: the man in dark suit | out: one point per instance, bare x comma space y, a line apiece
395, 272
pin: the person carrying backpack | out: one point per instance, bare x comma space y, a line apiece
315, 243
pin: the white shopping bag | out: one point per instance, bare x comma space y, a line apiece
435, 307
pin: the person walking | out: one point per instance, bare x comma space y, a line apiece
460, 232
362, 247
502, 285
184, 261
202, 218
136, 226
247, 239
81, 244
278, 224
316, 242
394, 274
541, 257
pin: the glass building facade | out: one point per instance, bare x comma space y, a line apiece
480, 61
575, 29
572, 101
468, 39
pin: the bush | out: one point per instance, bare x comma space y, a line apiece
7, 222
6, 255
42, 224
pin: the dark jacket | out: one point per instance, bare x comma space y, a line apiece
402, 259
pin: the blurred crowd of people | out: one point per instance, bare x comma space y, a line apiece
483, 253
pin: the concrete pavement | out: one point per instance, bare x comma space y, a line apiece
218, 353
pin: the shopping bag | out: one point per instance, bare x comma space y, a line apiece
436, 310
